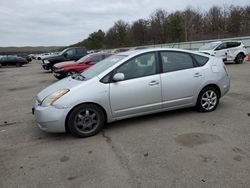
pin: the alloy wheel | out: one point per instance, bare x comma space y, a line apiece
209, 100
87, 120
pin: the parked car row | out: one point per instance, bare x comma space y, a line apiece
68, 68
69, 54
12, 60
129, 84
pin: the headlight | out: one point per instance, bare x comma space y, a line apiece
50, 99
46, 61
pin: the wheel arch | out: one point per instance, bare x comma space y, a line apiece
240, 52
214, 86
93, 103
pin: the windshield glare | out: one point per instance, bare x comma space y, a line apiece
102, 66
209, 46
83, 58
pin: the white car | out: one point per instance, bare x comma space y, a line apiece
130, 84
228, 50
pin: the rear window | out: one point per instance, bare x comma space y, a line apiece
201, 60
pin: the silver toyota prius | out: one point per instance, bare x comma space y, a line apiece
130, 84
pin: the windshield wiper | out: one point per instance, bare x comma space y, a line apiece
78, 76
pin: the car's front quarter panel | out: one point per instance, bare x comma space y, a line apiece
93, 91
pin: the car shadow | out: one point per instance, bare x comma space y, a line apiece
149, 118
14, 66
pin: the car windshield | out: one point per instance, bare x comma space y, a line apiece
209, 46
102, 66
83, 58
62, 52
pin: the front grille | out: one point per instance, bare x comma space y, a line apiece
55, 69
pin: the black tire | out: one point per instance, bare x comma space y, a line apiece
72, 72
239, 58
201, 106
18, 64
81, 124
59, 77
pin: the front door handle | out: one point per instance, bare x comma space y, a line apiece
153, 83
197, 74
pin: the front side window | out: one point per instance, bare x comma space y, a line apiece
140, 66
174, 61
222, 46
70, 52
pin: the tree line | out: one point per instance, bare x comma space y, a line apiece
163, 27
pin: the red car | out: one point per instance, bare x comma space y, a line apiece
68, 68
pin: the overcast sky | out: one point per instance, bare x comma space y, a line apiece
64, 22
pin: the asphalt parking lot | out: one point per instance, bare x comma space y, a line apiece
181, 148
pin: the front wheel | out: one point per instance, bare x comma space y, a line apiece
239, 58
59, 77
208, 100
70, 73
86, 120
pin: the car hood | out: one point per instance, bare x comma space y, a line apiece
65, 63
66, 83
52, 57
47, 56
208, 52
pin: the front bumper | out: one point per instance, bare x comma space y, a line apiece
50, 119
45, 67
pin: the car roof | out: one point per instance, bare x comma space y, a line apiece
137, 52
224, 41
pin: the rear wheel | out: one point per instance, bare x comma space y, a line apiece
208, 100
86, 120
239, 58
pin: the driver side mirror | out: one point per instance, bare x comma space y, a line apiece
65, 54
118, 77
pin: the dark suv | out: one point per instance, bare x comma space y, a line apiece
68, 54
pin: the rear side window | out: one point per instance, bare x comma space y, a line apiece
80, 51
233, 44
201, 60
174, 61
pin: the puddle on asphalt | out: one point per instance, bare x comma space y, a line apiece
194, 139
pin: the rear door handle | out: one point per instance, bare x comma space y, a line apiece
153, 83
197, 74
